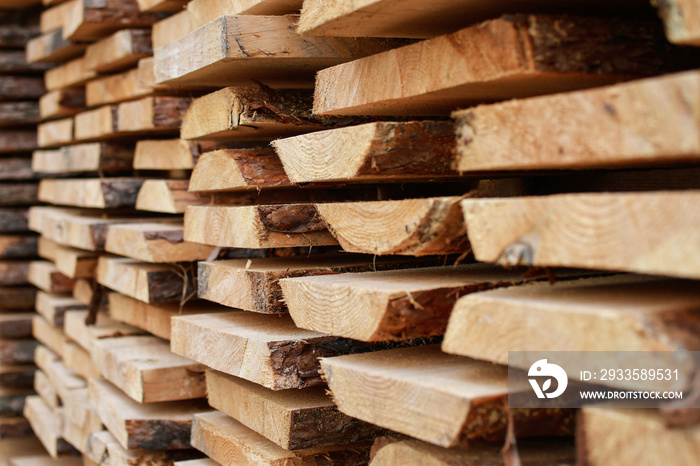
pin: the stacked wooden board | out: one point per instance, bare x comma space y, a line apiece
269, 216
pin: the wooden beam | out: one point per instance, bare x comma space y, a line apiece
152, 115
53, 338
62, 103
80, 420
158, 6
250, 113
169, 154
47, 425
55, 17
88, 157
393, 151
153, 318
64, 380
388, 305
550, 231
150, 283
116, 88
133, 424
18, 193
105, 327
17, 141
145, 369
46, 391
100, 123
16, 168
257, 226
100, 193
553, 132
53, 48
55, 133
90, 21
54, 307
604, 437
45, 276
238, 169
14, 273
170, 29
18, 246
19, 113
240, 54
416, 227
16, 325
17, 298
460, 76
120, 51
103, 445
254, 284
13, 220
72, 73
224, 439
77, 359
293, 419
452, 395
154, 242
681, 19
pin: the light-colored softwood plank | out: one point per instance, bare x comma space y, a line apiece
80, 420
415, 227
62, 103
16, 168
154, 242
91, 157
53, 48
256, 226
53, 307
513, 56
47, 425
388, 305
103, 449
53, 338
18, 246
170, 29
46, 391
54, 133
55, 17
116, 88
64, 380
152, 115
153, 318
13, 220
72, 73
120, 51
77, 359
145, 369
104, 327
555, 132
633, 436
90, 20
169, 154
14, 273
646, 232
229, 51
371, 152
45, 276
293, 419
168, 6
238, 169
453, 396
100, 123
83, 290
100, 193
133, 424
227, 441
682, 20
150, 283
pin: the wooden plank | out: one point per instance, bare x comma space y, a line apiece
619, 231
54, 133
15, 427
133, 424
371, 152
197, 462
17, 246
15, 62
90, 157
120, 51
145, 369
256, 226
682, 21
265, 349
100, 123
612, 308
53, 338
152, 115
18, 113
452, 395
54, 307
92, 20
62, 103
168, 6
45, 276
46, 460
18, 193
414, 227
14, 376
154, 242
17, 297
72, 73
153, 318
16, 36
104, 327
251, 113
47, 426
16, 168
45, 390
83, 290
525, 47
388, 305
16, 325
254, 284
19, 140
72, 262
293, 419
604, 438
235, 54
77, 359
12, 401
13, 220
64, 380
227, 441
238, 169
170, 29
626, 132
18, 447
21, 87
80, 420
99, 193
104, 448
14, 273
170, 154
116, 88
53, 48
150, 283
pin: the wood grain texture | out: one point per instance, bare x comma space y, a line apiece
158, 6
19, 113
653, 232
170, 29
53, 338
154, 242
99, 193
16, 325
133, 424
18, 246
62, 103
293, 419
554, 132
14, 272
89, 157
47, 426
116, 88
45, 276
53, 307
92, 20
54, 133
681, 19
77, 359
527, 55
53, 48
152, 114
17, 297
230, 51
169, 154
13, 220
99, 123
456, 396
21, 87
71, 73
238, 169
229, 442
145, 369
104, 327
16, 168
103, 448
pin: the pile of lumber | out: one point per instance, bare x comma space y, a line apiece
288, 232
